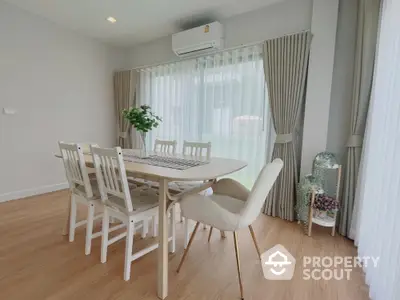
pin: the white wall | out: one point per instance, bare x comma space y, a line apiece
60, 85
272, 21
319, 81
342, 82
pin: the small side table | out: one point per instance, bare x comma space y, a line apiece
328, 221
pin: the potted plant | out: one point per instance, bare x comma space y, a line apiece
324, 204
143, 120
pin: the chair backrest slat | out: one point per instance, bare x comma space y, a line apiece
75, 167
260, 191
114, 176
197, 149
164, 146
111, 177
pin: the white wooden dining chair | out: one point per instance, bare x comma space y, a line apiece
197, 149
192, 150
160, 146
165, 146
231, 207
128, 206
83, 190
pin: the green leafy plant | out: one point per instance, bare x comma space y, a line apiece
142, 118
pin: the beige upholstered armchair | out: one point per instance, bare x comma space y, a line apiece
231, 207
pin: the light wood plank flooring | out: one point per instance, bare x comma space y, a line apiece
36, 262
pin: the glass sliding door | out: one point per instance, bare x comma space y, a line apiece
219, 98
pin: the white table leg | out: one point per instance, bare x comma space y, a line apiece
172, 229
162, 286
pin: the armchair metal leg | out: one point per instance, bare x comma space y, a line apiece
254, 240
188, 246
235, 238
209, 235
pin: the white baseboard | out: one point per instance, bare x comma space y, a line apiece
32, 192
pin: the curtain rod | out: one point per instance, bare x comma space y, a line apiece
210, 53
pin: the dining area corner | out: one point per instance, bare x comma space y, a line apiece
134, 192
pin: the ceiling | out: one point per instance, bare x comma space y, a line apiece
138, 21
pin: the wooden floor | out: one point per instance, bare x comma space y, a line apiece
36, 262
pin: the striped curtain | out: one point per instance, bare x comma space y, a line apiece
219, 98
367, 28
124, 97
285, 67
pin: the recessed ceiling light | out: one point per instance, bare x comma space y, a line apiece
111, 19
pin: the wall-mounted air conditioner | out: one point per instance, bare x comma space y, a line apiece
198, 40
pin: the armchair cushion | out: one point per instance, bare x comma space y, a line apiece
232, 188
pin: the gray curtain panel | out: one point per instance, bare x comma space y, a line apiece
367, 28
285, 67
125, 83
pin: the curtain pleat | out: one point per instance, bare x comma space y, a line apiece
219, 98
125, 83
285, 67
378, 190
367, 28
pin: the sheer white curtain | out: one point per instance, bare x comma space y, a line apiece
219, 98
378, 193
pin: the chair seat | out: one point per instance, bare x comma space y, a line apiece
229, 203
80, 189
219, 211
141, 201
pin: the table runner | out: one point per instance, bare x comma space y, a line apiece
165, 161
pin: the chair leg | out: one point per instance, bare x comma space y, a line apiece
145, 228
235, 238
104, 236
209, 235
154, 221
204, 226
172, 229
186, 233
181, 215
65, 230
223, 236
89, 229
128, 250
255, 241
72, 219
188, 246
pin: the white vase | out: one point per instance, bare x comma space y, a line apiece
143, 149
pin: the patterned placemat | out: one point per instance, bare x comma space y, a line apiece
165, 161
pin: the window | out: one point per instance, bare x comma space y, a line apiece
219, 98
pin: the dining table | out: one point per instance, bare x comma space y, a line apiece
210, 170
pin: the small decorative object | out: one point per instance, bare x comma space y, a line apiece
325, 167
143, 120
318, 193
307, 184
323, 205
